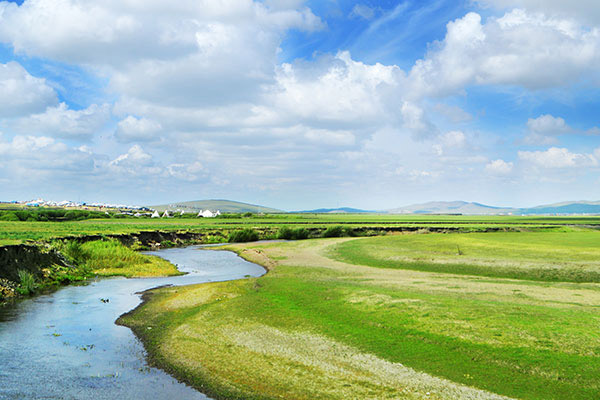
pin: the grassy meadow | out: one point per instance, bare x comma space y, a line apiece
16, 232
367, 318
492, 308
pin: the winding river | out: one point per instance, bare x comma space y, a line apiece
65, 345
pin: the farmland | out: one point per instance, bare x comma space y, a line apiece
440, 316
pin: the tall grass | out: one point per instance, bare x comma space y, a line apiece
27, 283
110, 257
244, 235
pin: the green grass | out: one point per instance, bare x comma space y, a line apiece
14, 232
315, 327
548, 256
27, 283
111, 258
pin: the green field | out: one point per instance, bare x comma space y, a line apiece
15, 232
569, 255
366, 318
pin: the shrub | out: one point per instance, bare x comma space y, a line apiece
9, 216
301, 233
287, 233
334, 231
245, 235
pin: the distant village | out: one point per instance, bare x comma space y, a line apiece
122, 209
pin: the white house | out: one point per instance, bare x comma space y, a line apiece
155, 214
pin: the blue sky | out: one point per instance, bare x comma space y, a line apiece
300, 104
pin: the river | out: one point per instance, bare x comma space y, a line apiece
66, 345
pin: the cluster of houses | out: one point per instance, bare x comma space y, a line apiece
80, 205
201, 214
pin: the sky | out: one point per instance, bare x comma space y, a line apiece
298, 104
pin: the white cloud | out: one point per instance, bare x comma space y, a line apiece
193, 53
499, 167
30, 155
415, 121
327, 137
450, 140
362, 11
186, 172
584, 10
593, 131
21, 93
548, 125
60, 121
337, 88
135, 157
133, 129
556, 157
520, 48
76, 31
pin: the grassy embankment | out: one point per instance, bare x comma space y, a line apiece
91, 259
322, 324
111, 258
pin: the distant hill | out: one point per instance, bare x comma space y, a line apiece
573, 207
467, 208
225, 206
341, 210
451, 207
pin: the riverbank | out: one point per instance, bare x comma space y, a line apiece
65, 344
317, 326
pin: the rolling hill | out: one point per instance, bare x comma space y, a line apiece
225, 206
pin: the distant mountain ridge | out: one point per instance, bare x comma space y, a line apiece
225, 206
340, 210
432, 207
472, 208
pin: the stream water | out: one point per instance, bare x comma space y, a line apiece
65, 345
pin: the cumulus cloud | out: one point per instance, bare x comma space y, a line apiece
555, 158
22, 93
133, 129
337, 88
520, 48
134, 158
191, 53
28, 155
499, 167
62, 122
548, 125
78, 32
583, 10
